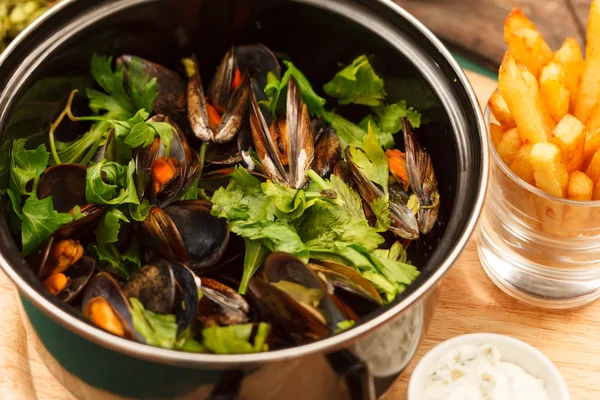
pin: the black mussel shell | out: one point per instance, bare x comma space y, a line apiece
221, 305
103, 285
171, 88
186, 296
154, 286
186, 232
291, 322
65, 183
327, 152
79, 274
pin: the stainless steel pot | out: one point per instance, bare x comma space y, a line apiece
52, 56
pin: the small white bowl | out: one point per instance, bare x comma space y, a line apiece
533, 361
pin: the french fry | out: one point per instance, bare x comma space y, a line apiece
534, 88
593, 170
509, 146
526, 110
589, 86
554, 91
593, 120
496, 132
529, 49
576, 217
515, 20
501, 112
580, 186
592, 144
521, 165
549, 172
570, 57
569, 136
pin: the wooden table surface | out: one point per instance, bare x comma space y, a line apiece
469, 302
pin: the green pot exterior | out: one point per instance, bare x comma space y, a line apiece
111, 371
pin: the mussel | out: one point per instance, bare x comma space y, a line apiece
291, 322
218, 116
422, 179
55, 256
105, 304
285, 149
403, 221
291, 275
166, 287
186, 232
328, 151
68, 284
349, 287
65, 183
221, 305
161, 177
171, 100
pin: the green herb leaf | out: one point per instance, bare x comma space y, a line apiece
385, 138
112, 260
158, 330
242, 200
116, 101
26, 166
109, 183
40, 220
290, 203
140, 135
107, 231
275, 88
139, 212
381, 209
348, 133
276, 236
76, 213
390, 116
357, 83
348, 198
254, 256
143, 89
235, 339
344, 325
372, 161
165, 132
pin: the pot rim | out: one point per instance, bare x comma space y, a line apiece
175, 357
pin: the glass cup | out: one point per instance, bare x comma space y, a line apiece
538, 248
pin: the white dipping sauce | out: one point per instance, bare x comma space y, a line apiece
476, 373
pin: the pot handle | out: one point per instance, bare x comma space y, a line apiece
355, 372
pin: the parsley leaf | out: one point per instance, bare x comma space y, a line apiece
348, 133
357, 83
372, 161
390, 116
40, 220
26, 166
276, 236
275, 88
235, 339
158, 329
385, 138
142, 88
108, 230
381, 209
111, 183
256, 253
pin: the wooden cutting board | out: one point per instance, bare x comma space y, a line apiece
469, 302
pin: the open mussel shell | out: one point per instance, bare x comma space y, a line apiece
186, 296
221, 305
171, 99
403, 221
104, 288
230, 102
327, 152
186, 232
291, 322
297, 140
55, 256
79, 274
65, 183
154, 286
258, 60
291, 275
83, 228
161, 178
349, 286
223, 154
422, 179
